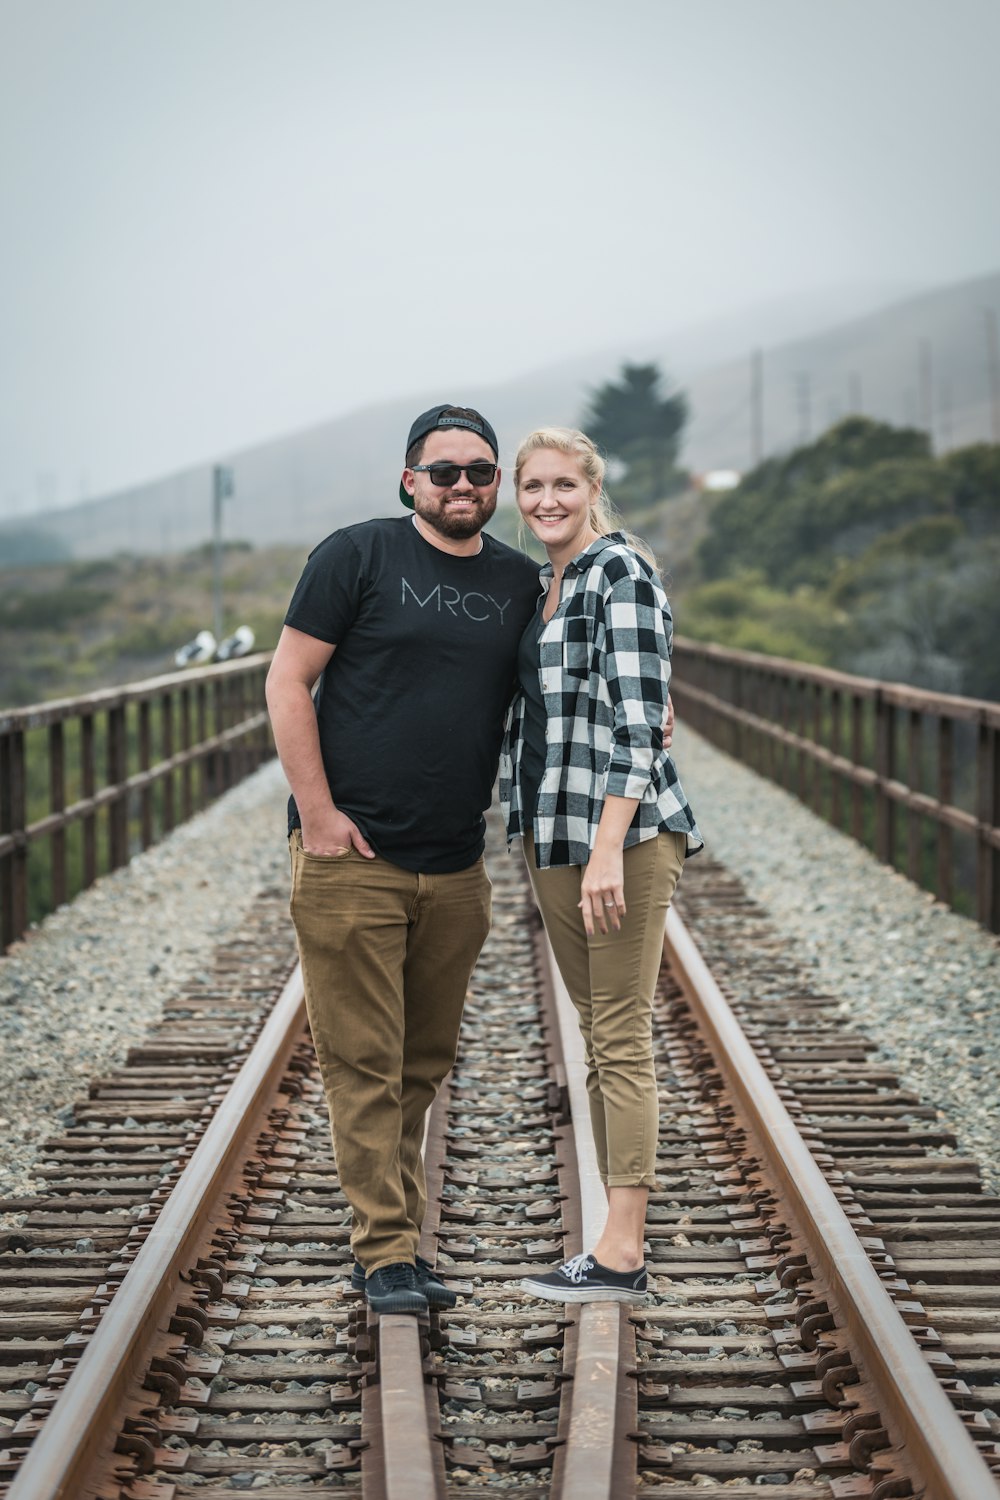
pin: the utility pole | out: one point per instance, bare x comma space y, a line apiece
756, 408
222, 489
803, 393
944, 406
993, 367
854, 397
926, 375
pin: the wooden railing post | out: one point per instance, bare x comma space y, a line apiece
205, 763
914, 777
817, 717
945, 788
187, 800
16, 801
88, 785
785, 710
736, 699
57, 803
145, 761
987, 802
993, 919
803, 768
117, 772
220, 761
885, 764
836, 779
6, 828
166, 751
774, 714
857, 754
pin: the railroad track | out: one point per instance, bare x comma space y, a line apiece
178, 1310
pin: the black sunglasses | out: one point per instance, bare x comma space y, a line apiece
447, 474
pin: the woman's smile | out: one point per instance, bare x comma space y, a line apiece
555, 499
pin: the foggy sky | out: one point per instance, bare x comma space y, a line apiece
225, 219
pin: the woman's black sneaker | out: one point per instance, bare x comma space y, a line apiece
583, 1279
433, 1288
394, 1289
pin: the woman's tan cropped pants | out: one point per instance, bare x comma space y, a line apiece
610, 978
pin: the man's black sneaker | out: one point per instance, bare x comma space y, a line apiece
394, 1289
583, 1279
433, 1288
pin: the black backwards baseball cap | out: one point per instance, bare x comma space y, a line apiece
438, 416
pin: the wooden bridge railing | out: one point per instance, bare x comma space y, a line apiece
87, 782
913, 774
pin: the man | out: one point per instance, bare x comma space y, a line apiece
411, 626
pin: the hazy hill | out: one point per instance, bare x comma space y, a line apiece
295, 489
878, 357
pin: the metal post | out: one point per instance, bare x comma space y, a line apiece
803, 396
756, 408
926, 382
993, 368
222, 489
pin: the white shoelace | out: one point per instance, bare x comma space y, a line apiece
577, 1268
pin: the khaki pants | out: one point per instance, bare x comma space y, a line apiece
610, 978
386, 959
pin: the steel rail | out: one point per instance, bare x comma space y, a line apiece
921, 1420
409, 1471
80, 1430
402, 1416
595, 1453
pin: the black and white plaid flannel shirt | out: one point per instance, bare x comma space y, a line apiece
605, 674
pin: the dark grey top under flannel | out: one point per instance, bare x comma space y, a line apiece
605, 674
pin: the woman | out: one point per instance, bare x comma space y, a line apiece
586, 782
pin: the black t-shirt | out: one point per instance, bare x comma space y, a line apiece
411, 704
534, 748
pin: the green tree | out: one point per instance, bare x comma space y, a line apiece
794, 515
886, 559
634, 421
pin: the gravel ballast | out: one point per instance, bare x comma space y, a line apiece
85, 985
89, 982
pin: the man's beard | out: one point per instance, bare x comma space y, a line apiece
457, 525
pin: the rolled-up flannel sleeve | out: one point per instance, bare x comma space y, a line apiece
638, 633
